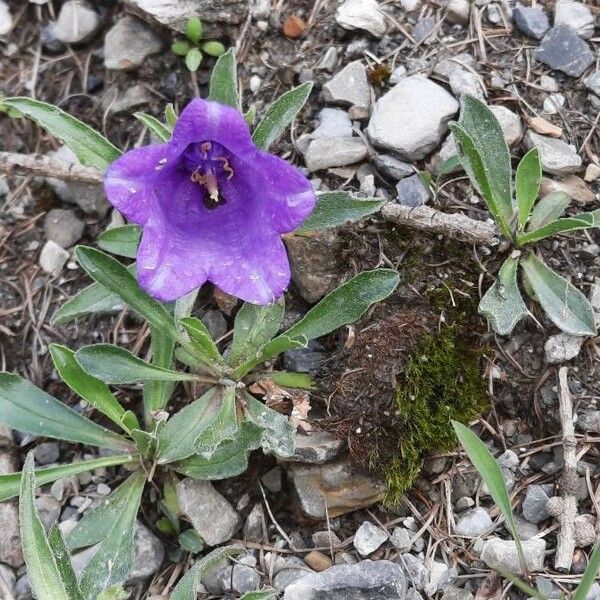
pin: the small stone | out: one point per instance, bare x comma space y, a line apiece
415, 569
563, 50
213, 518
556, 156
49, 510
423, 28
503, 554
324, 153
412, 117
349, 87
526, 529
393, 167
440, 574
454, 593
592, 172
293, 27
592, 83
463, 503
535, 503
272, 480
315, 448
366, 580
458, 11
148, 554
128, 43
562, 347
554, 103
135, 97
77, 22
465, 82
305, 360
446, 66
544, 127
510, 123
368, 538
5, 18
494, 13
473, 523
398, 74
410, 5
215, 323
532, 21
329, 60
333, 122
325, 539
318, 561
64, 228
585, 531
400, 538
253, 527
288, 571
548, 84
9, 578
412, 191
53, 258
575, 15
361, 14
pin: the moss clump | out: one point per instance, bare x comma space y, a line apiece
442, 381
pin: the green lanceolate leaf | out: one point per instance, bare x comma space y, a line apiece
527, 184
170, 116
9, 484
193, 59
63, 562
254, 326
479, 176
113, 561
92, 390
25, 407
114, 276
113, 364
159, 129
222, 429
122, 241
180, 47
482, 126
214, 48
548, 209
93, 299
574, 223
280, 115
193, 29
157, 393
201, 340
260, 595
278, 432
91, 148
190, 541
115, 592
564, 304
187, 585
503, 304
223, 81
589, 575
44, 575
450, 165
176, 440
491, 473
289, 379
229, 460
337, 208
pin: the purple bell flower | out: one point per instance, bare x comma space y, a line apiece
212, 206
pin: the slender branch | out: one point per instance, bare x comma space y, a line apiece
455, 225
26, 165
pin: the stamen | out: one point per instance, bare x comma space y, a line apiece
226, 167
205, 147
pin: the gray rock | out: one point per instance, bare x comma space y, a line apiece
49, 40
412, 191
4, 189
455, 593
325, 153
128, 43
23, 588
238, 578
531, 21
592, 83
503, 554
535, 501
77, 22
64, 228
526, 529
465, 82
423, 28
53, 258
473, 523
315, 448
5, 18
562, 347
556, 156
400, 538
366, 580
585, 531
412, 117
415, 570
329, 60
553, 103
288, 571
333, 122
440, 575
349, 87
134, 97
148, 555
446, 66
594, 593
563, 50
392, 167
509, 460
253, 527
361, 14
90, 198
49, 510
548, 84
588, 421
459, 11
9, 578
575, 15
368, 538
398, 73
215, 323
260, 9
325, 539
213, 518
305, 360
463, 503
272, 479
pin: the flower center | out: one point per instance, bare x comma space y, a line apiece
208, 163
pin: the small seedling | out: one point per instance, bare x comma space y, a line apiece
192, 46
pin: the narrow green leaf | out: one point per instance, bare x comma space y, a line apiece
260, 595
548, 209
280, 115
574, 223
122, 241
93, 299
278, 432
176, 440
113, 561
144, 442
113, 364
193, 29
503, 304
530, 591
338, 208
589, 575
201, 340
9, 484
491, 473
180, 47
287, 379
222, 429
44, 575
250, 115
159, 129
214, 48
91, 148
193, 59
187, 585
564, 304
190, 541
115, 592
254, 326
170, 116
527, 184
223, 81
157, 393
63, 563
114, 276
92, 390
25, 407
450, 165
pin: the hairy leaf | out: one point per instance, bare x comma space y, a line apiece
548, 209
122, 241
527, 184
223, 81
159, 129
574, 223
201, 340
278, 432
222, 429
